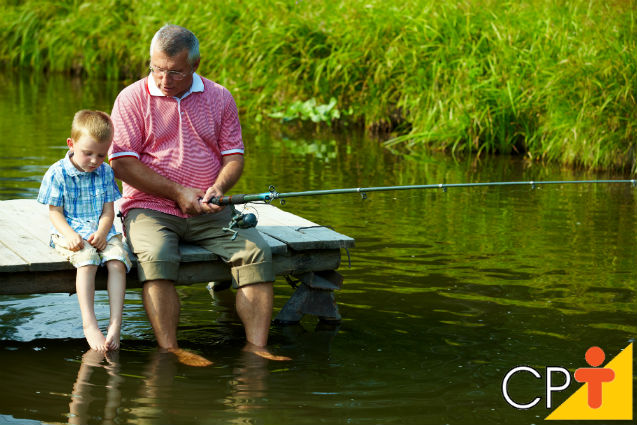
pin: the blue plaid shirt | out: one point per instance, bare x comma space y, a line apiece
81, 194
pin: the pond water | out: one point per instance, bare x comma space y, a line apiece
447, 291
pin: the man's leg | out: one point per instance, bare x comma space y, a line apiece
161, 302
162, 305
250, 259
154, 238
254, 306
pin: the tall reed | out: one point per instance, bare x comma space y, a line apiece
548, 79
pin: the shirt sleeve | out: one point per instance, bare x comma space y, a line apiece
230, 139
52, 188
111, 191
128, 125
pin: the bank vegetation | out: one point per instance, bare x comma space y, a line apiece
548, 79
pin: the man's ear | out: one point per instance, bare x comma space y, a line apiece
195, 66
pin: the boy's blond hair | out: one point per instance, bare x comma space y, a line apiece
96, 124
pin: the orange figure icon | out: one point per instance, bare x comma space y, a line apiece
594, 376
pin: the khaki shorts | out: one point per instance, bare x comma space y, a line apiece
89, 255
154, 237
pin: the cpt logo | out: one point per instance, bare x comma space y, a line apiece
606, 393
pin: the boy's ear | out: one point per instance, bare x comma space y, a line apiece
69, 143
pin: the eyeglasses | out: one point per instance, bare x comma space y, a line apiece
175, 75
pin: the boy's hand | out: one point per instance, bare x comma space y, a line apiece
74, 242
97, 240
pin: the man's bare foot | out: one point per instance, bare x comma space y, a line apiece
264, 352
112, 338
95, 338
189, 358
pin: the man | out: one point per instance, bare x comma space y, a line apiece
177, 144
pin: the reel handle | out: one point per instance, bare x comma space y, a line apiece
227, 200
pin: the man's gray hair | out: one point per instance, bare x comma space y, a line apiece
172, 39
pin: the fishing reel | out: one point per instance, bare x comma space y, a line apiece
241, 221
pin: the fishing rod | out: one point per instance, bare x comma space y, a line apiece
272, 194
247, 220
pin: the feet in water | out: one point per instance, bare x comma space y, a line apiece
263, 352
95, 338
112, 338
189, 358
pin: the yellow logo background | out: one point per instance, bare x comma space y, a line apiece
617, 395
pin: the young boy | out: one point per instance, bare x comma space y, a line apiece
80, 190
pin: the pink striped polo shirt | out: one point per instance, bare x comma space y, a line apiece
183, 139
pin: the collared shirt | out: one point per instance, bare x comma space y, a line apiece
183, 139
82, 195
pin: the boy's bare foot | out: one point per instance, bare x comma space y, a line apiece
95, 338
189, 358
112, 338
93, 358
264, 352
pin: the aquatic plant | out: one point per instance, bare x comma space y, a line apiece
309, 110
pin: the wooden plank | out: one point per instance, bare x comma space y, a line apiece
16, 233
10, 261
26, 229
276, 246
36, 215
297, 232
31, 215
281, 226
306, 261
40, 282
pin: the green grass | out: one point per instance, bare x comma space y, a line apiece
552, 80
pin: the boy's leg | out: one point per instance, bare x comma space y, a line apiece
117, 264
85, 261
85, 288
116, 285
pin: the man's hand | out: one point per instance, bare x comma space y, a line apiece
97, 240
189, 201
213, 191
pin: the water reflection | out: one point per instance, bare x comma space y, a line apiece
157, 391
85, 391
250, 384
102, 385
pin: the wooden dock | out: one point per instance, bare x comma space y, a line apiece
304, 252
